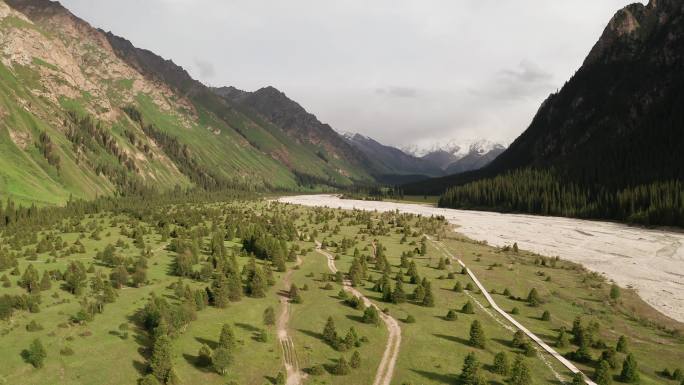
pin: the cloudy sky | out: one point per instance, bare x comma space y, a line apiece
403, 72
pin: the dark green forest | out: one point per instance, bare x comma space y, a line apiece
543, 192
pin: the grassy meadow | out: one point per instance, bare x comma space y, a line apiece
116, 346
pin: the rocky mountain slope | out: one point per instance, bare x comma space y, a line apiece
611, 138
85, 113
301, 126
395, 164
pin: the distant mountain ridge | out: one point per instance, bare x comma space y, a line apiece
456, 156
386, 164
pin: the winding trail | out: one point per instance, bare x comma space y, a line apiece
294, 373
543, 345
385, 371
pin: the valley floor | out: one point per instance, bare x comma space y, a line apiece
292, 252
649, 261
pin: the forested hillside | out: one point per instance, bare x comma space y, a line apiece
85, 113
608, 145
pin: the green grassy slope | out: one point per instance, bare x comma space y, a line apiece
73, 77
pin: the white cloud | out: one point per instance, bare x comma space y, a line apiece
401, 71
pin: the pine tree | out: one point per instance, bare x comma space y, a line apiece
533, 298
371, 316
234, 286
630, 373
45, 282
468, 308
329, 332
622, 345
221, 360
342, 367
269, 316
119, 276
470, 373
161, 361
30, 279
602, 376
458, 287
294, 295
387, 293
477, 335
546, 316
501, 365
419, 293
355, 361
520, 372
256, 285
518, 339
451, 315
109, 294
610, 356
578, 379
428, 299
398, 295
227, 338
219, 291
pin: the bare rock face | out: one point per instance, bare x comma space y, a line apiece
631, 27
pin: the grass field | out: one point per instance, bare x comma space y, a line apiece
432, 348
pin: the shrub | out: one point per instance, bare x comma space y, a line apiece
34, 326
468, 308
66, 351
317, 370
35, 354
342, 368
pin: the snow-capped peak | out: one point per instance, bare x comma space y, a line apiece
455, 147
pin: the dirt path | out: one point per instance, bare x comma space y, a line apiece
385, 370
543, 345
294, 373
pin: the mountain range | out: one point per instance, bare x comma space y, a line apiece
84, 112
456, 156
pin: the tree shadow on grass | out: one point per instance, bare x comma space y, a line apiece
452, 338
375, 298
211, 344
438, 377
141, 367
355, 318
330, 366
546, 337
506, 343
141, 338
248, 327
194, 361
311, 334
